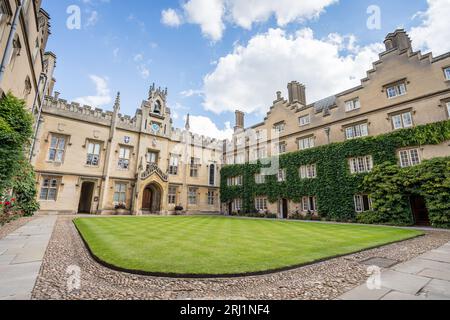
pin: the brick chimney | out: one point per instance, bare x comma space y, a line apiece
297, 92
239, 121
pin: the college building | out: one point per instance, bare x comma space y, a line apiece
89, 160
404, 89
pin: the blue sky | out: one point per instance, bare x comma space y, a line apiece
125, 46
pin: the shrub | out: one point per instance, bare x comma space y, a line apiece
16, 174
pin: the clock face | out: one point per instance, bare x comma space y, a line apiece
156, 127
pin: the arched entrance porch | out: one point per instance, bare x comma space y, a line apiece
152, 199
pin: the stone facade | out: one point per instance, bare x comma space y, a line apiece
403, 89
28, 70
106, 163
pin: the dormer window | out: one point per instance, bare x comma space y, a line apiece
447, 73
352, 105
396, 90
157, 107
304, 120
279, 127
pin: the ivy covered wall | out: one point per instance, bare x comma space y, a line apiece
335, 186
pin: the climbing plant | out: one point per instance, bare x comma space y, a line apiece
16, 174
335, 186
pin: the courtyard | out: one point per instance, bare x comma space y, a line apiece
215, 245
40, 256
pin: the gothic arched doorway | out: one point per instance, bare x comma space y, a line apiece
152, 197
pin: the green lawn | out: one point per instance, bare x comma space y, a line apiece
220, 245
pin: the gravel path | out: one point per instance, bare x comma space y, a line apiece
12, 226
326, 280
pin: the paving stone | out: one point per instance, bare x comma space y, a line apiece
417, 265
364, 293
403, 282
6, 259
436, 274
395, 295
438, 288
380, 262
436, 256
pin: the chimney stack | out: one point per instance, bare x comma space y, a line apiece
239, 121
297, 92
397, 40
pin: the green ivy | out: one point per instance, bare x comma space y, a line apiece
16, 173
335, 186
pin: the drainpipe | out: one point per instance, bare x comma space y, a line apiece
36, 95
38, 120
9, 44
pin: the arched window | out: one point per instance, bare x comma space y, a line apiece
212, 175
28, 87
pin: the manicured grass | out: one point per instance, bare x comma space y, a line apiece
220, 245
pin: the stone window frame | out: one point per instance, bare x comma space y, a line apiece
312, 141
64, 151
401, 113
353, 104
360, 203
362, 164
279, 127
261, 203
446, 71
57, 179
309, 204
194, 166
353, 125
211, 197
409, 157
120, 192
172, 195
308, 171
236, 205
192, 196
101, 148
260, 178
396, 85
304, 123
172, 168
131, 154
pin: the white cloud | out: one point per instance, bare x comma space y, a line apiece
248, 78
138, 57
211, 15
190, 93
246, 13
434, 32
170, 18
208, 14
205, 126
144, 71
102, 96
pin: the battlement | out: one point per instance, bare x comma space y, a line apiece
74, 110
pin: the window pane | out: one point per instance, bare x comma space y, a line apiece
407, 119
447, 73
54, 142
397, 121
61, 143
59, 156
43, 195
52, 194
52, 155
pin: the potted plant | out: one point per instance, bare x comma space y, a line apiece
121, 209
179, 210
